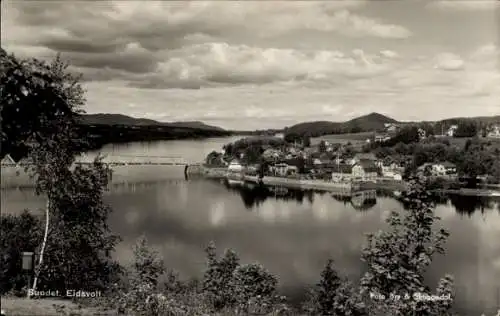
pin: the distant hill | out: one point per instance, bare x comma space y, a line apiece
120, 119
367, 123
374, 122
102, 129
370, 122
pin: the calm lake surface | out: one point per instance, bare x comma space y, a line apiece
292, 236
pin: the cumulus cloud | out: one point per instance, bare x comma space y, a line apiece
449, 61
174, 42
405, 88
108, 25
222, 64
342, 21
255, 64
464, 5
389, 54
487, 55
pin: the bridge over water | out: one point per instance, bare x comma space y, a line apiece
135, 160
126, 169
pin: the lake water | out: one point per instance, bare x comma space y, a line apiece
292, 236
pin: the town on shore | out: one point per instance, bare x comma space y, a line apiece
459, 157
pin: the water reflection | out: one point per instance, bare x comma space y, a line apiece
462, 204
254, 196
291, 232
467, 205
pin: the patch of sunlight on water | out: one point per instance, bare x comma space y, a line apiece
267, 212
218, 214
321, 212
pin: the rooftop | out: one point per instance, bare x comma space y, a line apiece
342, 168
365, 156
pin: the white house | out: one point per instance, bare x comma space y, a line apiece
390, 127
451, 131
382, 138
283, 169
364, 171
448, 167
317, 162
440, 168
495, 132
235, 172
422, 134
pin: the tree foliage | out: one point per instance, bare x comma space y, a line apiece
397, 258
147, 266
252, 147
40, 103
143, 276
38, 100
306, 141
227, 284
214, 159
335, 295
254, 285
218, 279
406, 135
466, 128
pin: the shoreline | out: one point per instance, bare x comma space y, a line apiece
200, 171
14, 177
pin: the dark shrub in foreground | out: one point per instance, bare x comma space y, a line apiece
18, 234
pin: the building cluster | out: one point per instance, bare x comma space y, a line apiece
390, 130
333, 163
490, 131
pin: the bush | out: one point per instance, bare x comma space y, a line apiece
240, 288
143, 288
334, 295
217, 281
19, 233
254, 288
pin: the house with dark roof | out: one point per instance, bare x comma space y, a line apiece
365, 156
365, 171
370, 157
342, 172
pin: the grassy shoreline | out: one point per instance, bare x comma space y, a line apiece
22, 306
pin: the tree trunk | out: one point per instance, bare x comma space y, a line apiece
44, 243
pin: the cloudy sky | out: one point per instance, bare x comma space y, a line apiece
267, 64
